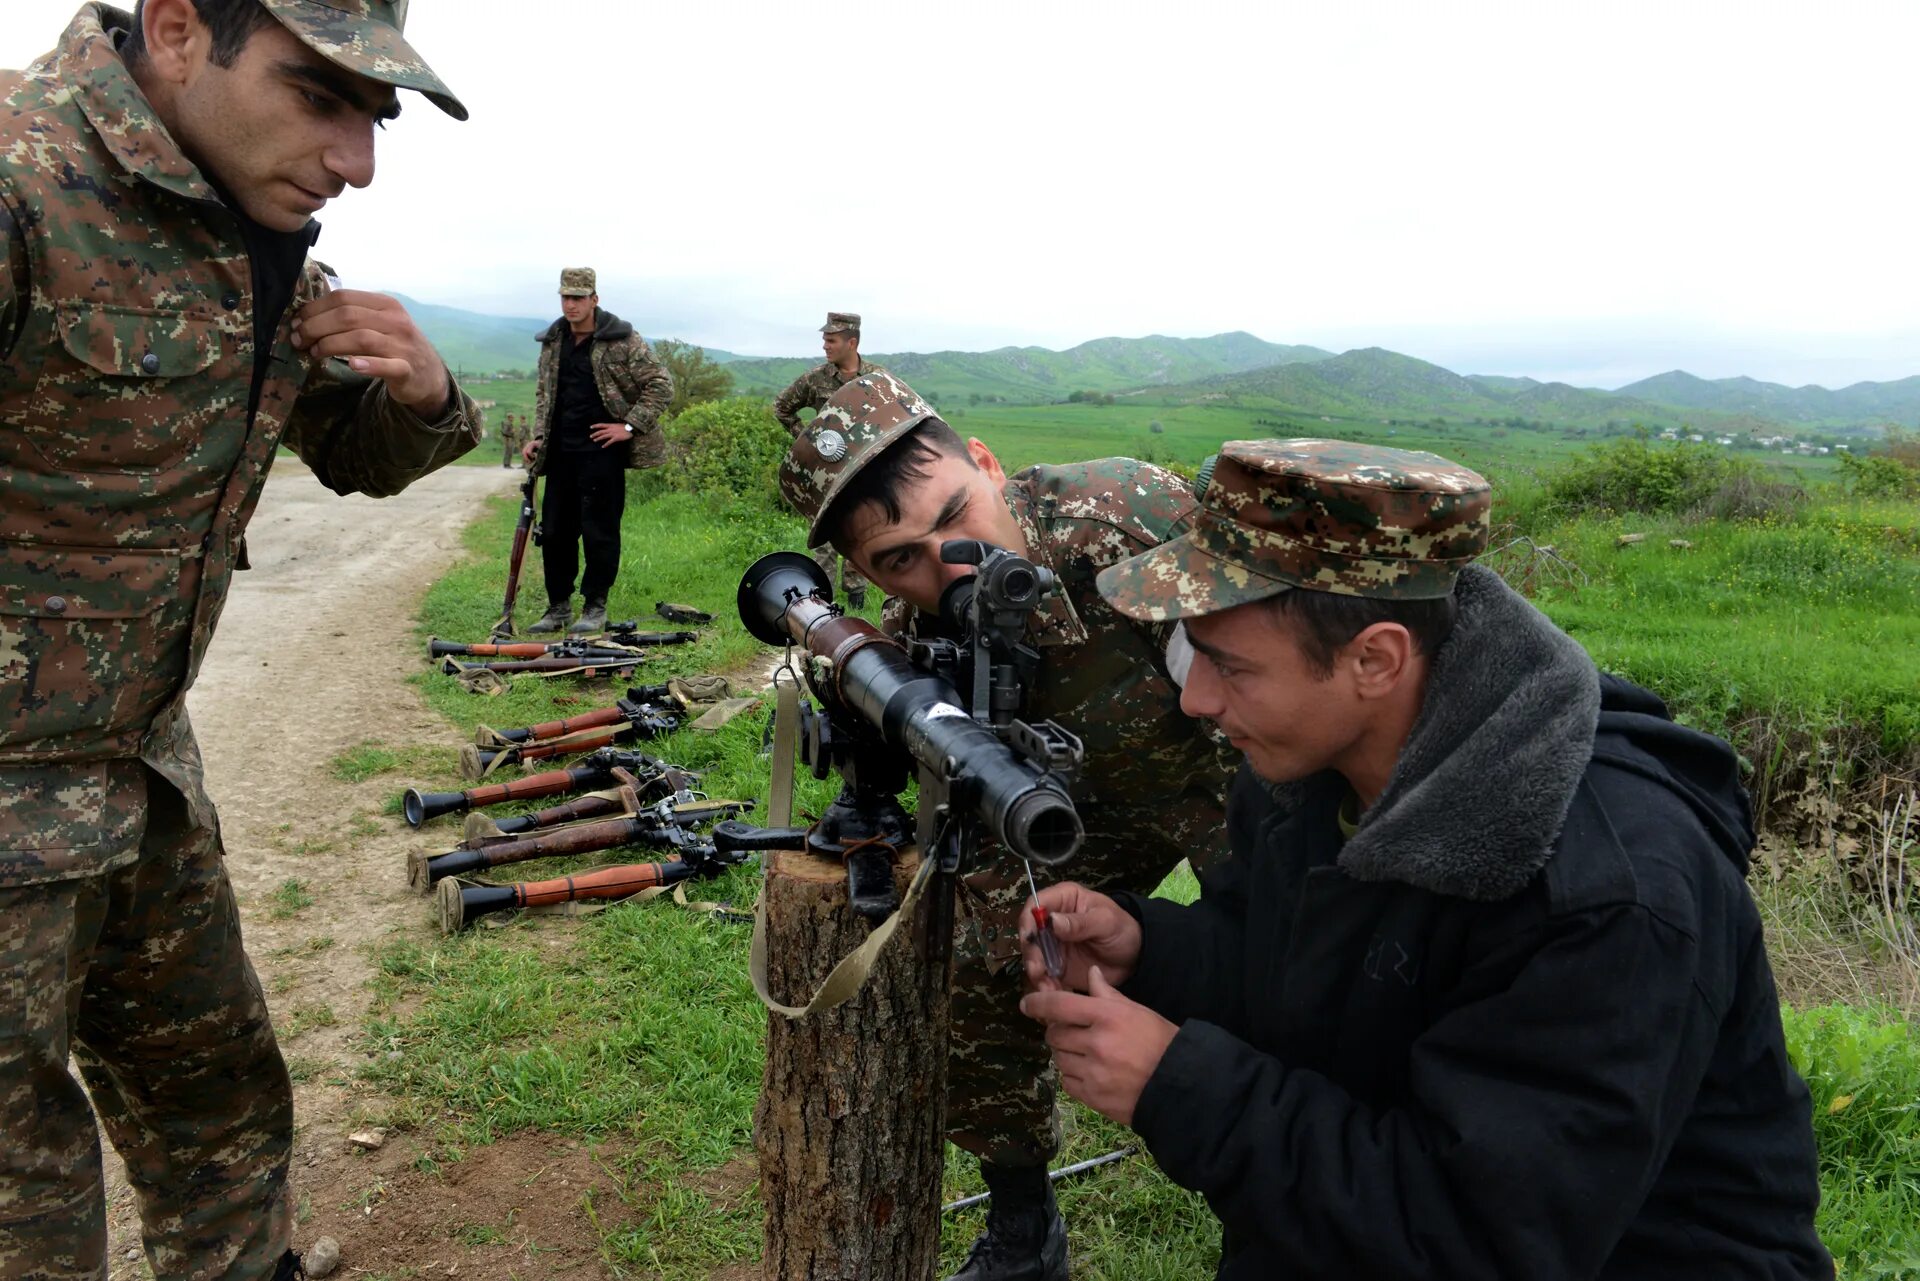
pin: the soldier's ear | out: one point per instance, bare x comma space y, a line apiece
983, 459
175, 41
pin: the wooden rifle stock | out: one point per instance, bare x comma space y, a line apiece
525, 530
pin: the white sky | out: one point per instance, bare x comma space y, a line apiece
1593, 192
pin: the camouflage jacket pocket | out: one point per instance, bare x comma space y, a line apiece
85, 652
119, 390
60, 821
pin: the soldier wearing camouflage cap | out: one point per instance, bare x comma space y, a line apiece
840, 340
597, 404
881, 477
1484, 942
163, 332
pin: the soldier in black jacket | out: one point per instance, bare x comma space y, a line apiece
1481, 991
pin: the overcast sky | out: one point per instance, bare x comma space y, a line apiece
1591, 192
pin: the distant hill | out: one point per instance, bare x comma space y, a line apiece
1861, 405
1373, 382
1027, 375
1369, 382
477, 343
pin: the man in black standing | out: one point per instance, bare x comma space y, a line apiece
596, 414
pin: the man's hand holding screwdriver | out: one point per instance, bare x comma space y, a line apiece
1105, 1045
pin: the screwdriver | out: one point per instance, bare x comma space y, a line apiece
1043, 930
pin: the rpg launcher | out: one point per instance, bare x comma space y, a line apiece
590, 774
728, 844
944, 709
666, 825
632, 719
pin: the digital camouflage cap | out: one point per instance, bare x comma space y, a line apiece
364, 37
577, 282
1325, 515
841, 322
852, 429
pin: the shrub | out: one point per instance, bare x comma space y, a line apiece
1633, 475
1879, 476
727, 452
696, 378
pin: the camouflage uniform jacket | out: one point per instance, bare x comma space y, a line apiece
1104, 677
129, 465
635, 387
811, 390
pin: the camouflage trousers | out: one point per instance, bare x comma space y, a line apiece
1001, 1083
853, 584
139, 975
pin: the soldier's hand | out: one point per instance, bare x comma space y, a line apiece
528, 450
1106, 1046
374, 335
607, 435
1093, 930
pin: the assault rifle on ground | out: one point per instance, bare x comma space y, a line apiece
888, 709
581, 666
616, 646
525, 530
652, 775
729, 843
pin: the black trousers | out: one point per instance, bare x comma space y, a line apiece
586, 496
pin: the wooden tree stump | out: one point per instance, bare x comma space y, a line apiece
849, 1127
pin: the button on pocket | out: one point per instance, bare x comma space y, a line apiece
82, 654
128, 388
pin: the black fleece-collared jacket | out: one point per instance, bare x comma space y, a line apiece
635, 387
1520, 1025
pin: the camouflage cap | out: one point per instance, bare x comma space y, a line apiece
841, 322
852, 429
1326, 515
364, 37
577, 282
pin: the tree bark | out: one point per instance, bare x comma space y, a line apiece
849, 1127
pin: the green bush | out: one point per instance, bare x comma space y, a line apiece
1879, 476
727, 452
1635, 475
696, 378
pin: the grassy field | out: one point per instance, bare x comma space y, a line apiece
636, 1030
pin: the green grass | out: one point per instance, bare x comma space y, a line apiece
290, 898
1862, 1065
1777, 634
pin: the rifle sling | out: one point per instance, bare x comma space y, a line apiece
786, 749
851, 974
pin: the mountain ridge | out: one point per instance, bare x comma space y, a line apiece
1367, 381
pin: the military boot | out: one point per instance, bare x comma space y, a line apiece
593, 618
558, 615
1026, 1239
289, 1268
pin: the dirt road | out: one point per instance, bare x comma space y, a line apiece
312, 657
